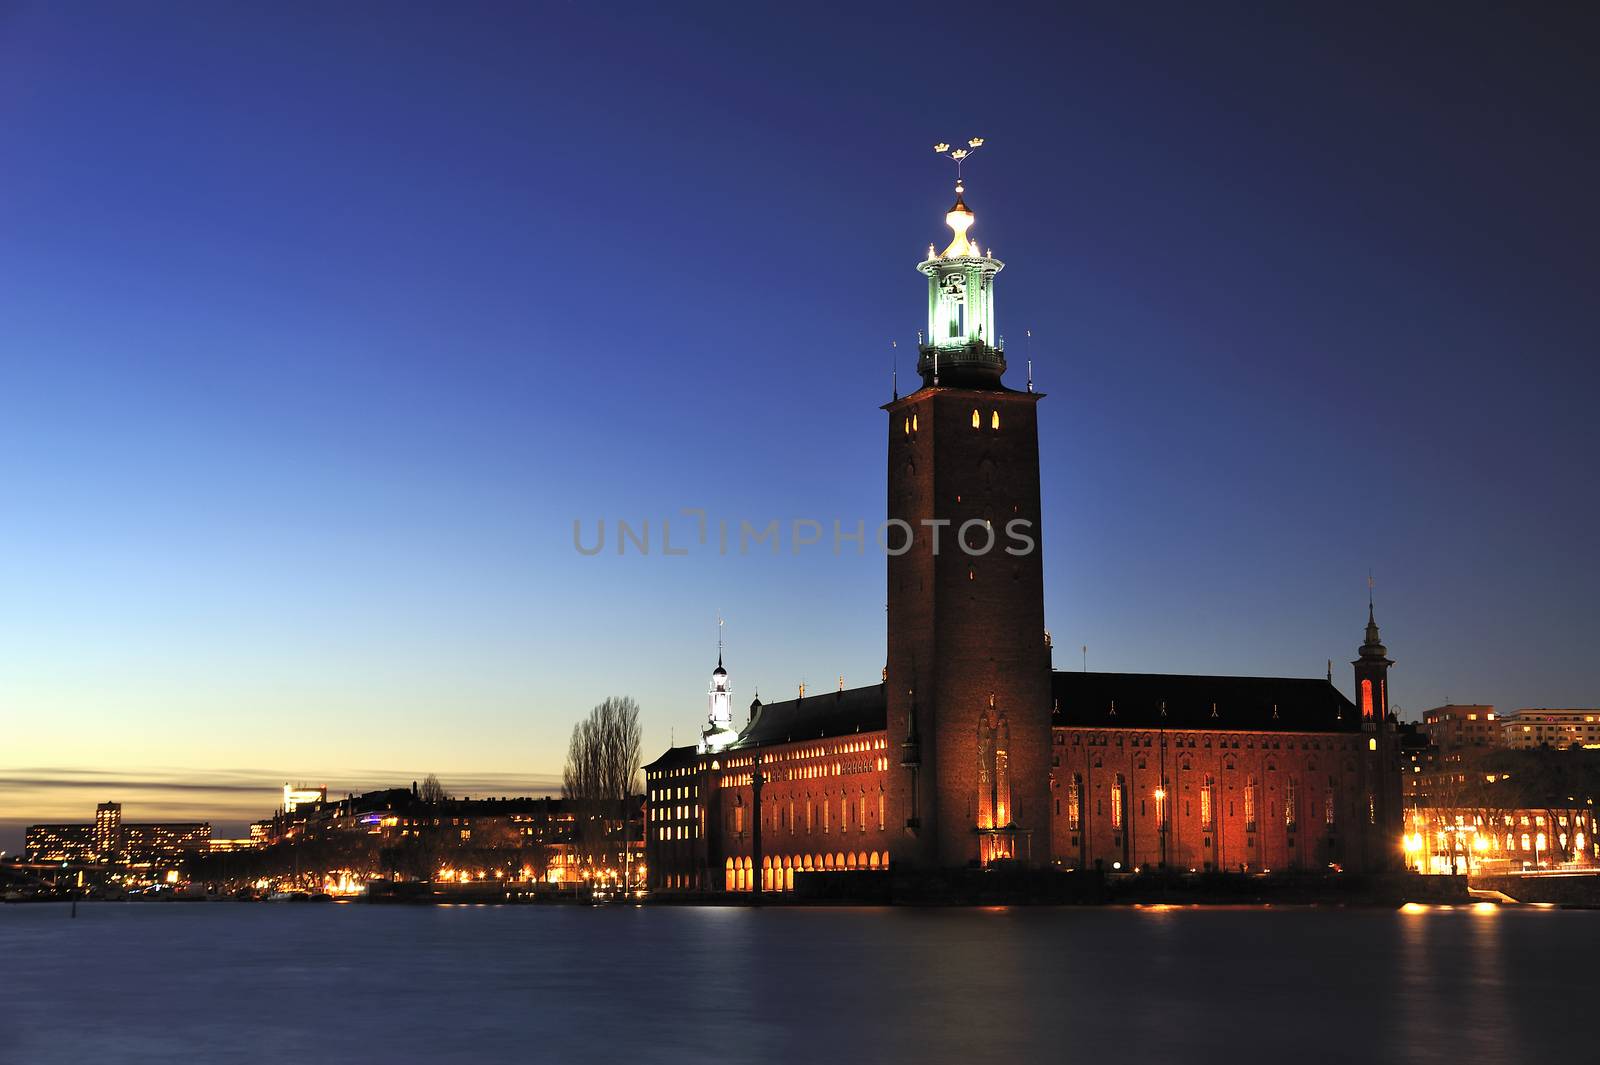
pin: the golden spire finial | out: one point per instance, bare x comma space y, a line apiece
960, 216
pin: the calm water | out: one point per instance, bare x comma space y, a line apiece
355, 984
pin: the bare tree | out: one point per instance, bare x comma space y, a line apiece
602, 771
431, 790
603, 756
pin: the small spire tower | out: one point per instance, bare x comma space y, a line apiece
719, 730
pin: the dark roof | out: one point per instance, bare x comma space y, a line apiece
1285, 704
674, 757
835, 713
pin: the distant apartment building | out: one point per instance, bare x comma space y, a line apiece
59, 843
150, 842
1419, 760
1454, 728
1555, 728
110, 840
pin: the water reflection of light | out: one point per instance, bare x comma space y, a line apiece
1485, 908
1413, 907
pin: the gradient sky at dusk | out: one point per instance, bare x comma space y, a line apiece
320, 324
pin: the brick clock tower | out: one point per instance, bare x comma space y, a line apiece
968, 675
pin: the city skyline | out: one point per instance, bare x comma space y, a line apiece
308, 509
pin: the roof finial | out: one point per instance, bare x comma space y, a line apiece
894, 372
959, 154
720, 621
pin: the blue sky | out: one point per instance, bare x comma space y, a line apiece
322, 324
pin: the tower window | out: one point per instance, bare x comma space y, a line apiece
1366, 698
994, 419
977, 419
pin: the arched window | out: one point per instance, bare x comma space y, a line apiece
994, 419
1075, 803
977, 419
1366, 698
730, 880
1291, 802
850, 861
1208, 799
872, 860
1116, 803
1250, 804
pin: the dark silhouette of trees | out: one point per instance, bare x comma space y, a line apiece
603, 755
431, 791
602, 771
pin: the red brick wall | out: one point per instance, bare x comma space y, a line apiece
1318, 763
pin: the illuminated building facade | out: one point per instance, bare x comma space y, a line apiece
972, 751
1455, 729
294, 798
527, 837
1486, 840
109, 840
59, 843
108, 829
1555, 728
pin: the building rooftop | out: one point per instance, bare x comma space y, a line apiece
1083, 700
831, 713
1164, 700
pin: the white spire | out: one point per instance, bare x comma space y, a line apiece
719, 730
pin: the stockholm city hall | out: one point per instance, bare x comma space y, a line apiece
973, 750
